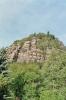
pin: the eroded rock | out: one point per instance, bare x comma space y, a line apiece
26, 53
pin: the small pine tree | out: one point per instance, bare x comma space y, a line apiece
2, 60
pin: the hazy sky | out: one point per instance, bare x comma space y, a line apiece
18, 18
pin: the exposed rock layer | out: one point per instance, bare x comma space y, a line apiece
26, 53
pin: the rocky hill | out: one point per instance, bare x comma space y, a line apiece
45, 80
35, 48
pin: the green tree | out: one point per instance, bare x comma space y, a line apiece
3, 87
2, 60
17, 86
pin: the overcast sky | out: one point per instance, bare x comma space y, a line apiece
18, 18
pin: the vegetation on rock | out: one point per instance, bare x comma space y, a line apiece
35, 80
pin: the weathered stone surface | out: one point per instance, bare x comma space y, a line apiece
26, 53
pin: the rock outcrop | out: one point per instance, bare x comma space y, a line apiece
26, 53
36, 48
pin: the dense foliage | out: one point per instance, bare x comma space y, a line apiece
3, 74
2, 60
36, 81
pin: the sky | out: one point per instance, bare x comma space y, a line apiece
19, 18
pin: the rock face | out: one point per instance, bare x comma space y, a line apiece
37, 48
26, 53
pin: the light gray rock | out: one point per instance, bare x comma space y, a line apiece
28, 52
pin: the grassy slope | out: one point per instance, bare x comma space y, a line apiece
53, 69
43, 81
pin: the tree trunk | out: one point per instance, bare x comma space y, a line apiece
17, 98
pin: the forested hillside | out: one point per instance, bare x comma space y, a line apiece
33, 68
